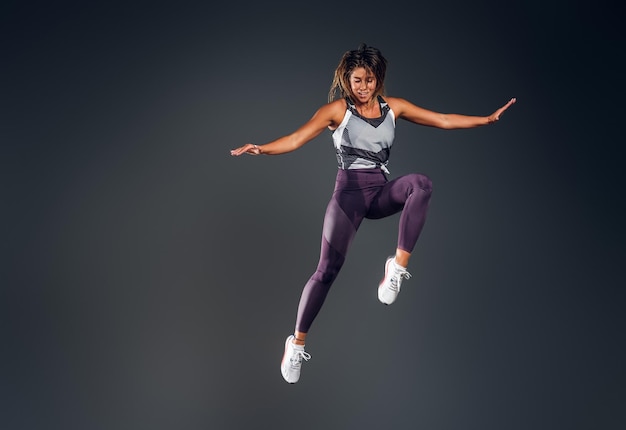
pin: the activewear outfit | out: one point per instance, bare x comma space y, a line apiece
362, 190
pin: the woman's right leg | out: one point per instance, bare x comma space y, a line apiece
338, 232
344, 215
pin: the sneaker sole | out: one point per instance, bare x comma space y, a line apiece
282, 362
381, 281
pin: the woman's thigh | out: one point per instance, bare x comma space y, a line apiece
394, 194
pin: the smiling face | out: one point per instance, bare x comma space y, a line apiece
360, 75
363, 85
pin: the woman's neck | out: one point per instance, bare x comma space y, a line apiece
369, 109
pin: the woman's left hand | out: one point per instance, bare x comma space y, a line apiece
496, 115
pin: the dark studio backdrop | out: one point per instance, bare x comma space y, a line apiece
149, 279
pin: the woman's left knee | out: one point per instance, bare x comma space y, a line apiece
422, 182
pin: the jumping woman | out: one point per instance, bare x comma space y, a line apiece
362, 120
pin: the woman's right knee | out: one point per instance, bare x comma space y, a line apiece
326, 275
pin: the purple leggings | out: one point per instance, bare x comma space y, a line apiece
362, 194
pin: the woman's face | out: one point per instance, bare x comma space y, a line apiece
362, 84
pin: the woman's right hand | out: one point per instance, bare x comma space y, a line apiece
248, 148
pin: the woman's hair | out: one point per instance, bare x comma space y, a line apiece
371, 59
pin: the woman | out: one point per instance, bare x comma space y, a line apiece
362, 120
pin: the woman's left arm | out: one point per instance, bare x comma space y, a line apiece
407, 110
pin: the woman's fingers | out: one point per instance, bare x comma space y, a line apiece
242, 150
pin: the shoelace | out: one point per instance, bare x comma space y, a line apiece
396, 279
296, 358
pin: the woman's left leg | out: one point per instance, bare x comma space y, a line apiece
411, 195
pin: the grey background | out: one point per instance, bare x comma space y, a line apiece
149, 279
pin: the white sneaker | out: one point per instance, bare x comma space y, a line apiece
389, 287
292, 360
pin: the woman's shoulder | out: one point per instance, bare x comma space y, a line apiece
336, 107
338, 104
397, 104
334, 111
394, 100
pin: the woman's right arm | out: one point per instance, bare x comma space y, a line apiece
329, 115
